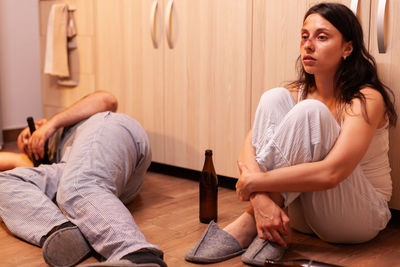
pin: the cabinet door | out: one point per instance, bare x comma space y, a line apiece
207, 81
276, 40
128, 64
389, 71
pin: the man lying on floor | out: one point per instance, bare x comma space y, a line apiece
76, 204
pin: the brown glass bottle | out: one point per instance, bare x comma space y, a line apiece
45, 159
208, 191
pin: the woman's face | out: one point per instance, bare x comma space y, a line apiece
322, 47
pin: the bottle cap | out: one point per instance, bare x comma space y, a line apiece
208, 152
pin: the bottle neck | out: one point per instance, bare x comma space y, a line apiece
208, 164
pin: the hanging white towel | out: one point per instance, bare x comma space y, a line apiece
56, 59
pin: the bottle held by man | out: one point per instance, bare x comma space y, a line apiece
45, 159
208, 210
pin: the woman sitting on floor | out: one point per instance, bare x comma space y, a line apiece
318, 148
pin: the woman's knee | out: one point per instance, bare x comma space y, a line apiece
311, 107
276, 97
310, 113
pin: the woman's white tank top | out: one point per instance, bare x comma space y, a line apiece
375, 163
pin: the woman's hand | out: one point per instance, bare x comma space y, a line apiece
243, 184
271, 221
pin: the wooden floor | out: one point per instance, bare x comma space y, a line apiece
167, 213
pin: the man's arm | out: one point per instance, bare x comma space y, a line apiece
11, 160
89, 105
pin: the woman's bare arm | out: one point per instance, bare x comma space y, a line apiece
271, 220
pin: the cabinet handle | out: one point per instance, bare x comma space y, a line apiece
381, 26
354, 6
153, 23
168, 23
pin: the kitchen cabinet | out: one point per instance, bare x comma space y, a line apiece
276, 36
388, 63
207, 83
182, 68
128, 65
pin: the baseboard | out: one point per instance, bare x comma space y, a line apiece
11, 135
395, 215
223, 181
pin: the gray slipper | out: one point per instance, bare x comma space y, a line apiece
215, 245
261, 250
65, 247
120, 263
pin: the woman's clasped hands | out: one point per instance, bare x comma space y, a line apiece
271, 221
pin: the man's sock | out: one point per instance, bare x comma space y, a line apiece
144, 256
56, 228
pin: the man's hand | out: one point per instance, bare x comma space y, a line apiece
271, 221
44, 130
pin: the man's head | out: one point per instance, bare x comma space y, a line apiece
23, 139
25, 135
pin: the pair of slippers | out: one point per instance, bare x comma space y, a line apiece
216, 245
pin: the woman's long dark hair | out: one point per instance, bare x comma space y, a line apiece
358, 70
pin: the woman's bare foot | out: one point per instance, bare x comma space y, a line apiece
243, 229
